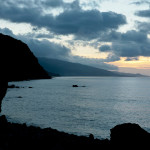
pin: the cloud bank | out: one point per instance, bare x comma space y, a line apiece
130, 44
61, 18
74, 20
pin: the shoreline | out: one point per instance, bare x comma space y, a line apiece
20, 136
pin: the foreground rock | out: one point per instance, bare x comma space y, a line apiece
20, 137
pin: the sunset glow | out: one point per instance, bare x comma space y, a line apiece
142, 63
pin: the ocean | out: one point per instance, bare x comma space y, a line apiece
96, 106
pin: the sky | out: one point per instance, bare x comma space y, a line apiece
107, 34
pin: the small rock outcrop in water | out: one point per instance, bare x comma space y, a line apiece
17, 62
75, 86
19, 97
12, 86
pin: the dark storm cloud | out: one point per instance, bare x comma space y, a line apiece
130, 44
131, 59
131, 49
111, 58
81, 23
143, 13
59, 3
110, 36
86, 24
45, 48
105, 48
144, 27
14, 13
126, 49
44, 36
53, 3
134, 36
141, 2
131, 35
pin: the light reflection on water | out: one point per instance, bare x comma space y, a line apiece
96, 108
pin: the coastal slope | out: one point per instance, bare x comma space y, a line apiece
18, 62
65, 68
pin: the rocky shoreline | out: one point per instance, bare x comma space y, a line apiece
23, 137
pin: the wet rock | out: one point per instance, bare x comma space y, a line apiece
19, 97
75, 85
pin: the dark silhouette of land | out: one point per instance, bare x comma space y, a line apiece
129, 136
65, 68
3, 90
23, 137
17, 62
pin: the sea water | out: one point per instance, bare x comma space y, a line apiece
96, 106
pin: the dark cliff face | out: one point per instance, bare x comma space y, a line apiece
17, 62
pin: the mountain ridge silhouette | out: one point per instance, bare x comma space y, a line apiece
17, 62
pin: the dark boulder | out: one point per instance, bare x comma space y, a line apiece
129, 135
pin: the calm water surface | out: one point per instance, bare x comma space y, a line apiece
96, 108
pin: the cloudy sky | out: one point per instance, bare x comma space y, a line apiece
108, 34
